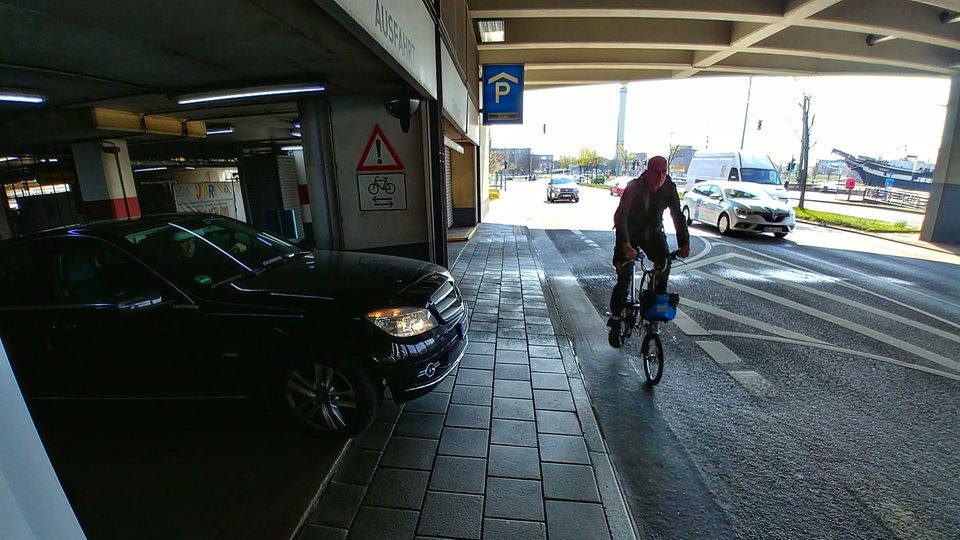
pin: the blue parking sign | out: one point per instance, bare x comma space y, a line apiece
503, 94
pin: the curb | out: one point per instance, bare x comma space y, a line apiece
885, 236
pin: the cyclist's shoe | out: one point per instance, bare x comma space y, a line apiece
613, 336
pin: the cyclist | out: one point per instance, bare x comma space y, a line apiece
639, 225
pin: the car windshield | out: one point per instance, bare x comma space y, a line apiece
741, 193
562, 180
760, 176
204, 251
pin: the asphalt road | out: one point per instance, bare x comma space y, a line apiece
811, 385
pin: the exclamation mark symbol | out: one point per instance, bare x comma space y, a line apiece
379, 156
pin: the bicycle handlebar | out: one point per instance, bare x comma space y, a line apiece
673, 255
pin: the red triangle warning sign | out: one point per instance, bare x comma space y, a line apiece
378, 155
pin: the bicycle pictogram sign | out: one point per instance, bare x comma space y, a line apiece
382, 191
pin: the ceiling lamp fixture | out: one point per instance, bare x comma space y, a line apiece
296, 133
873, 39
219, 129
19, 95
491, 30
247, 93
949, 18
292, 148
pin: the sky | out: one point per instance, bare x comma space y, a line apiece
880, 117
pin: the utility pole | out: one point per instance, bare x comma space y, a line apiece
746, 112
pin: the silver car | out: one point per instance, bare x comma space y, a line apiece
563, 188
738, 206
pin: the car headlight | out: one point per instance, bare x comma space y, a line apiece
403, 322
741, 213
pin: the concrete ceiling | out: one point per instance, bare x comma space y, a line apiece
572, 42
132, 55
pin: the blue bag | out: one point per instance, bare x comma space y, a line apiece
660, 307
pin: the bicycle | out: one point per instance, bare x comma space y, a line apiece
649, 310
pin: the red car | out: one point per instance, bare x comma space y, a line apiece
616, 190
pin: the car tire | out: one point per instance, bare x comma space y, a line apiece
331, 395
686, 215
724, 224
576, 200
779, 235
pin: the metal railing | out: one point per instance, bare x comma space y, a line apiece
896, 197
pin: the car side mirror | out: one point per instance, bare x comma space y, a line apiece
715, 196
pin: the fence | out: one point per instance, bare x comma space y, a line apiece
896, 197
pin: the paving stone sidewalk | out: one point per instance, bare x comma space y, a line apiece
506, 447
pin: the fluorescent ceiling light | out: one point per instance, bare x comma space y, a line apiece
295, 133
150, 169
491, 30
247, 93
20, 96
873, 39
219, 129
296, 148
7, 159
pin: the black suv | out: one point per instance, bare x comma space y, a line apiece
200, 305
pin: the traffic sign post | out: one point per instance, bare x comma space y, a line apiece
851, 183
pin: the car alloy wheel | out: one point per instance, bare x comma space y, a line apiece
331, 396
724, 224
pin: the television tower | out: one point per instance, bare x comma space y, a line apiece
620, 158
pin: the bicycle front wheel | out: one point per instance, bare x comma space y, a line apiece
652, 354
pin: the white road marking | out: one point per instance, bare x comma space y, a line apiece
754, 383
861, 290
687, 325
584, 239
903, 523
760, 325
719, 352
858, 328
829, 347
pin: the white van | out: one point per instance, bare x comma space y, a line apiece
736, 167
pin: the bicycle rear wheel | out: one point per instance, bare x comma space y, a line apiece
652, 354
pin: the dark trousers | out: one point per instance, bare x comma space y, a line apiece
654, 245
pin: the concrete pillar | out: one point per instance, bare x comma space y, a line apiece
942, 221
106, 179
315, 193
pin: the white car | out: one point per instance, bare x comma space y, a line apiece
738, 206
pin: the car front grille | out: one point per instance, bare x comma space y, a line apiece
447, 300
773, 217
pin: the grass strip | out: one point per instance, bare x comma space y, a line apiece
851, 222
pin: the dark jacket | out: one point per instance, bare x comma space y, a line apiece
641, 211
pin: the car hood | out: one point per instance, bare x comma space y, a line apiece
341, 276
762, 206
